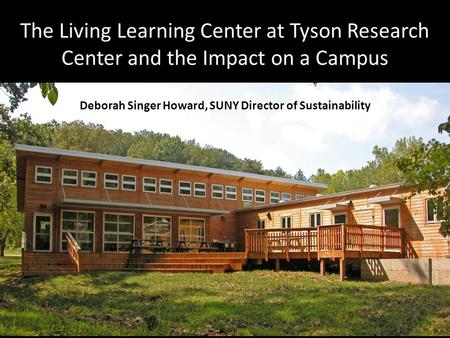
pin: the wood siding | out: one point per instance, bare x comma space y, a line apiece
422, 239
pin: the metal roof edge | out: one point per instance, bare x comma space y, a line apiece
322, 197
142, 206
139, 161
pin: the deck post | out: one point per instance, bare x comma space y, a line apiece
322, 267
246, 242
277, 265
318, 242
342, 269
402, 243
288, 243
308, 232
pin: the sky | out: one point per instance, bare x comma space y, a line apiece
292, 139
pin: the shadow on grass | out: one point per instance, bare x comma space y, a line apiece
245, 303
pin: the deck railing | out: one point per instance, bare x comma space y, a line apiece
72, 250
332, 240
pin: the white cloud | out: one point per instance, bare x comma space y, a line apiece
291, 139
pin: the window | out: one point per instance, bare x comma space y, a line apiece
299, 197
42, 240
129, 182
274, 197
315, 219
199, 189
43, 174
111, 181
286, 196
149, 184
391, 217
260, 196
184, 188
70, 177
118, 232
340, 218
158, 228
88, 179
81, 225
217, 191
165, 186
192, 229
247, 195
286, 222
261, 224
434, 213
231, 192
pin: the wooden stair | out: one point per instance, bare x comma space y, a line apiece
187, 262
60, 264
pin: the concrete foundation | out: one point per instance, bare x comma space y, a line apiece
407, 270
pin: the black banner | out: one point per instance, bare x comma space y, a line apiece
226, 44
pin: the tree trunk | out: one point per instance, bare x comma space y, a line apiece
3, 244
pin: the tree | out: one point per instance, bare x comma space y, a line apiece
16, 92
427, 168
23, 130
300, 176
445, 126
10, 219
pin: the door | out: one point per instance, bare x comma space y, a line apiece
391, 218
42, 240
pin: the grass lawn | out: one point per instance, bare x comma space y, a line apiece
245, 303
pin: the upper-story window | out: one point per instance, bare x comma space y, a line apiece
247, 195
111, 181
184, 188
286, 196
434, 212
274, 197
129, 182
199, 189
299, 196
231, 192
70, 177
260, 196
149, 184
43, 174
165, 186
88, 179
217, 191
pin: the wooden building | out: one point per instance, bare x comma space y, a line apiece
106, 201
84, 210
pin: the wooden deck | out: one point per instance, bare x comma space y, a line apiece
342, 241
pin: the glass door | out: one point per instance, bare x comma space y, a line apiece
42, 232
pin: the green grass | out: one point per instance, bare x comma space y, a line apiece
245, 303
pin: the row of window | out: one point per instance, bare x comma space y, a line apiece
150, 185
118, 230
391, 217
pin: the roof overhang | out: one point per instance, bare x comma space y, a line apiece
385, 200
138, 206
334, 206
